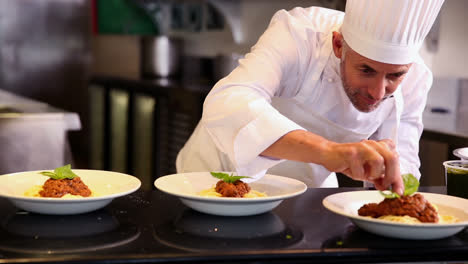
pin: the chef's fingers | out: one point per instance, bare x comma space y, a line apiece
375, 159
363, 161
392, 166
390, 144
397, 185
378, 184
373, 172
357, 169
346, 158
393, 178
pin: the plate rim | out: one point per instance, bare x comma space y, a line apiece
232, 199
326, 203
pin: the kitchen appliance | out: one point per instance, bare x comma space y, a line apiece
447, 105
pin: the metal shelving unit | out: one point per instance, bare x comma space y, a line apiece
138, 127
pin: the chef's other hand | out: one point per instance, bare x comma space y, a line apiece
369, 160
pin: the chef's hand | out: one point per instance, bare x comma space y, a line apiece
368, 160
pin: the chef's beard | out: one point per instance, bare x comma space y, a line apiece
353, 93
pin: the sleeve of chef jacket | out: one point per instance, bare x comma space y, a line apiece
411, 125
238, 114
414, 90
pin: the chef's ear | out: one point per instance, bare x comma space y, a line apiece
337, 42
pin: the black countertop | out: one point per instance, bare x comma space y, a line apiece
153, 227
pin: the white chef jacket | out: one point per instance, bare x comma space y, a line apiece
291, 80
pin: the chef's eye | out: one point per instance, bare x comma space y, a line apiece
367, 70
396, 75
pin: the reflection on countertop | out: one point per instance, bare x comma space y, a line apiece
30, 233
194, 231
28, 224
358, 238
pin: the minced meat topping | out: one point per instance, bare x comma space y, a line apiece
58, 188
415, 206
236, 189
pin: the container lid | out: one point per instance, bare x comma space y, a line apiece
461, 153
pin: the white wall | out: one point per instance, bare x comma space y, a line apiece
452, 57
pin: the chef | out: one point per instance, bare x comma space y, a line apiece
323, 91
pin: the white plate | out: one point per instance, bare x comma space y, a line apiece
187, 186
348, 203
107, 184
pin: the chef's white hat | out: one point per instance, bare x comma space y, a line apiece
388, 31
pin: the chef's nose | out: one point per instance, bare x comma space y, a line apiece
378, 88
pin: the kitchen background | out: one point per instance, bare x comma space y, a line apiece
137, 71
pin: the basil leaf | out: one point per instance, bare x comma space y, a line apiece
411, 186
48, 173
389, 194
60, 173
411, 183
226, 177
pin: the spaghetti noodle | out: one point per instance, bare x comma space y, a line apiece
34, 192
406, 219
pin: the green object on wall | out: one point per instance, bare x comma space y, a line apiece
123, 17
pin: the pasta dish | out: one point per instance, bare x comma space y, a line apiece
409, 209
230, 186
61, 183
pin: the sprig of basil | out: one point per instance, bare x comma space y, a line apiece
389, 194
226, 177
60, 173
411, 186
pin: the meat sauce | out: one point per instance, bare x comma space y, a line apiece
58, 188
415, 206
236, 189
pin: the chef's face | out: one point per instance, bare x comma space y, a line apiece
367, 82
